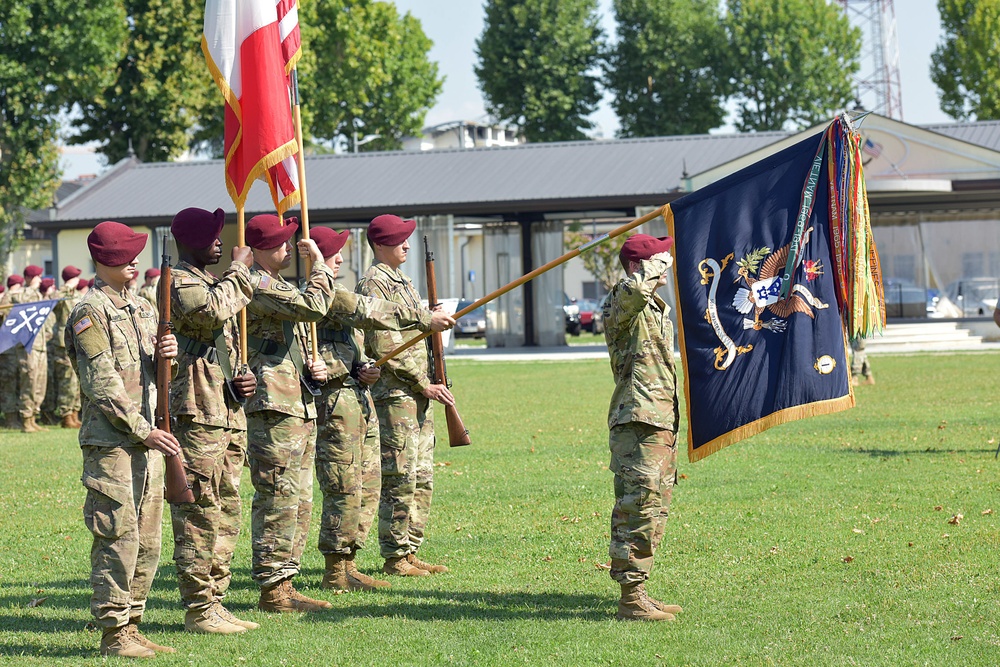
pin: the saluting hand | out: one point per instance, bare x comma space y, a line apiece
439, 393
163, 442
167, 346
441, 321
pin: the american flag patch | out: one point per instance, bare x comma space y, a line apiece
265, 282
82, 325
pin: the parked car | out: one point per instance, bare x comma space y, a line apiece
588, 310
904, 299
972, 297
572, 312
472, 324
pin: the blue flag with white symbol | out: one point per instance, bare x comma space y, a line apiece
759, 296
23, 322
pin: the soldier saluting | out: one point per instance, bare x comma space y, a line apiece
208, 417
111, 339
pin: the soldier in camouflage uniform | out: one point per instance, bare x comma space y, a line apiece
63, 386
643, 421
150, 285
403, 399
208, 420
347, 449
32, 366
111, 338
281, 415
8, 360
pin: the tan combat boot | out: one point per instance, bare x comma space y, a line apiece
133, 626
76, 419
229, 617
69, 421
29, 426
335, 576
416, 562
359, 581
121, 642
635, 605
208, 621
870, 379
400, 566
283, 598
306, 603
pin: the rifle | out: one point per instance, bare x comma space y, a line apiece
176, 488
458, 435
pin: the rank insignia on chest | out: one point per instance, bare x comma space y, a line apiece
187, 282
82, 325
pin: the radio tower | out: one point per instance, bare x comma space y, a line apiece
878, 79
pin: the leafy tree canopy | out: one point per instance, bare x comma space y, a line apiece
966, 65
537, 63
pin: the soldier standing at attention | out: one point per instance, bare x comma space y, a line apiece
642, 419
111, 338
208, 419
281, 415
402, 398
65, 385
8, 361
32, 366
347, 450
150, 284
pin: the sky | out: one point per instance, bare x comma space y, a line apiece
454, 26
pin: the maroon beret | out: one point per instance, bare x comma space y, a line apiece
266, 231
32, 270
14, 280
328, 241
83, 284
197, 228
114, 244
46, 283
390, 230
152, 273
643, 246
70, 272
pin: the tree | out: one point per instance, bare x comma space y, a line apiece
793, 61
53, 54
161, 89
601, 260
966, 65
365, 69
537, 62
669, 70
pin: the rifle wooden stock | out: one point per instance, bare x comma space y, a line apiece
176, 489
458, 435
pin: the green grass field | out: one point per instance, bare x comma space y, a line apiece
822, 542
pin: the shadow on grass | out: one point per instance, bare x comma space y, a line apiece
893, 453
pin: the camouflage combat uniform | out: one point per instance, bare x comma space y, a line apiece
62, 396
642, 419
210, 426
33, 367
150, 293
8, 371
406, 421
281, 421
348, 450
110, 340
860, 368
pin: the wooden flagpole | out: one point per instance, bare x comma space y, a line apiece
240, 242
301, 161
618, 231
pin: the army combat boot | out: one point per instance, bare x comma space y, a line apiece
635, 605
400, 566
29, 426
231, 618
133, 626
207, 620
122, 642
416, 562
335, 576
359, 581
282, 598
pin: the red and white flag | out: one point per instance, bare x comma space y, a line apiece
284, 177
245, 53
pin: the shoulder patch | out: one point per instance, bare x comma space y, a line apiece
82, 324
282, 285
265, 281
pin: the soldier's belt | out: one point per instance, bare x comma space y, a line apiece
333, 336
268, 347
208, 352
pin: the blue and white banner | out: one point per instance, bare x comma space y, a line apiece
23, 322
